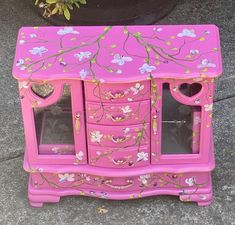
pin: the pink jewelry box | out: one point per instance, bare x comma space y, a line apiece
118, 112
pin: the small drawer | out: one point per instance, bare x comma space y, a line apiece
119, 113
117, 92
119, 158
118, 136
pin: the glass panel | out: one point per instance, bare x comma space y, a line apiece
54, 126
180, 124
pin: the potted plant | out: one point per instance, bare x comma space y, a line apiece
103, 12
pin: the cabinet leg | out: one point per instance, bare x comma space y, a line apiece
36, 204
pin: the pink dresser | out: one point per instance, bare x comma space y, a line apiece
118, 112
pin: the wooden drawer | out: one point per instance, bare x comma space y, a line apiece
117, 92
118, 136
119, 113
119, 158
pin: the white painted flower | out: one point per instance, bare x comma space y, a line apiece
19, 62
197, 120
79, 155
207, 32
126, 109
142, 156
205, 63
67, 30
96, 136
126, 130
21, 42
66, 177
23, 84
146, 68
190, 181
38, 50
83, 73
187, 33
137, 88
121, 60
119, 71
33, 35
129, 99
144, 179
208, 107
157, 29
55, 149
82, 55
194, 52
40, 170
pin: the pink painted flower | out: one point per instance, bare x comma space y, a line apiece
121, 60
96, 136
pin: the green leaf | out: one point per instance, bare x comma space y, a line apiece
67, 14
55, 10
77, 4
82, 1
51, 1
36, 2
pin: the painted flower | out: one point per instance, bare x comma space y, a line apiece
96, 136
38, 50
66, 177
190, 181
82, 55
119, 71
33, 35
19, 62
205, 63
67, 30
144, 179
55, 149
121, 60
23, 84
21, 42
194, 52
138, 87
83, 73
208, 107
79, 155
187, 33
197, 120
146, 68
142, 156
126, 109
157, 29
126, 130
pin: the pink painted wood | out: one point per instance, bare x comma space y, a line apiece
116, 77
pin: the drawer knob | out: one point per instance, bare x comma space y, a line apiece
128, 184
77, 122
154, 124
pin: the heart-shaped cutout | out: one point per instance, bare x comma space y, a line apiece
42, 90
190, 90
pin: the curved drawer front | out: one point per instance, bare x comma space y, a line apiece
118, 136
119, 158
189, 182
118, 92
119, 113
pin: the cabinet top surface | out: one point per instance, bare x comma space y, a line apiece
118, 53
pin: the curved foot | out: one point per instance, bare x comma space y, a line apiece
204, 203
36, 204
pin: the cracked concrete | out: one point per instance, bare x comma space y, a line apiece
153, 210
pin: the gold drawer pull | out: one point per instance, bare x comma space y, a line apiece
77, 122
119, 139
121, 161
154, 124
118, 118
128, 184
